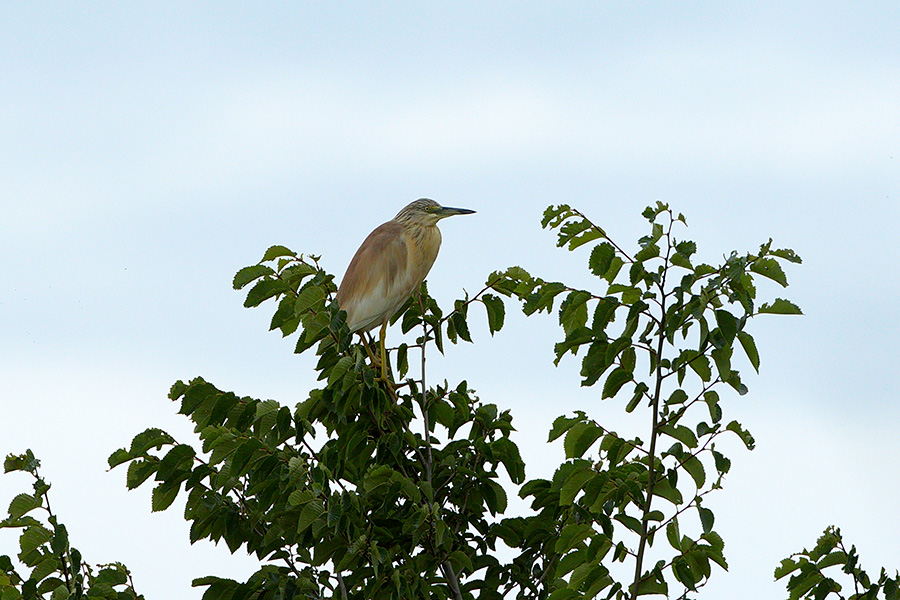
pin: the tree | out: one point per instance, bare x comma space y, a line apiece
369, 490
56, 569
808, 578
373, 489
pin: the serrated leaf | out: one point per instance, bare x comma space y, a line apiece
573, 312
742, 433
695, 469
571, 536
276, 251
179, 457
496, 311
673, 535
495, 497
780, 306
340, 369
749, 347
728, 324
562, 424
263, 290
786, 567
118, 457
681, 433
311, 511
163, 495
573, 485
580, 438
23, 504
769, 267
647, 252
787, 254
601, 259
615, 381
251, 273
34, 536
307, 298
722, 358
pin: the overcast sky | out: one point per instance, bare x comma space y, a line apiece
149, 150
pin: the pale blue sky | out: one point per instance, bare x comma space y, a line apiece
149, 151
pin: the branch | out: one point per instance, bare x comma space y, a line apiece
654, 430
447, 568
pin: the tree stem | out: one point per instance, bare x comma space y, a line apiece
654, 431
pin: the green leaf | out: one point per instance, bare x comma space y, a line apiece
706, 519
647, 252
276, 251
673, 534
769, 267
563, 424
571, 536
494, 497
749, 347
263, 290
580, 438
34, 536
742, 433
310, 296
613, 271
508, 453
837, 557
311, 511
496, 312
338, 371
780, 306
118, 457
712, 402
179, 457
728, 324
139, 471
163, 495
628, 521
722, 358
573, 312
251, 273
615, 381
23, 504
695, 469
681, 433
601, 259
786, 254
574, 484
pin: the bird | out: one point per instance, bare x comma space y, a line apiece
389, 265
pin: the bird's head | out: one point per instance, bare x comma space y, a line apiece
425, 212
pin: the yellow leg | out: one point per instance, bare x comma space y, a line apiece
381, 337
371, 355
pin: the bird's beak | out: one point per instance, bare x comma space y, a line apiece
447, 211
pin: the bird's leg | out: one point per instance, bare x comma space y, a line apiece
384, 365
365, 343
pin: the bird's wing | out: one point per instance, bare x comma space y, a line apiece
371, 288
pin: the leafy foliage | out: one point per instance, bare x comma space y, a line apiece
396, 489
660, 329
57, 570
366, 489
392, 489
808, 578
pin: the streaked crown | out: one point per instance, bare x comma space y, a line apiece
415, 211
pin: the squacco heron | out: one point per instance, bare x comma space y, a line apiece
390, 265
